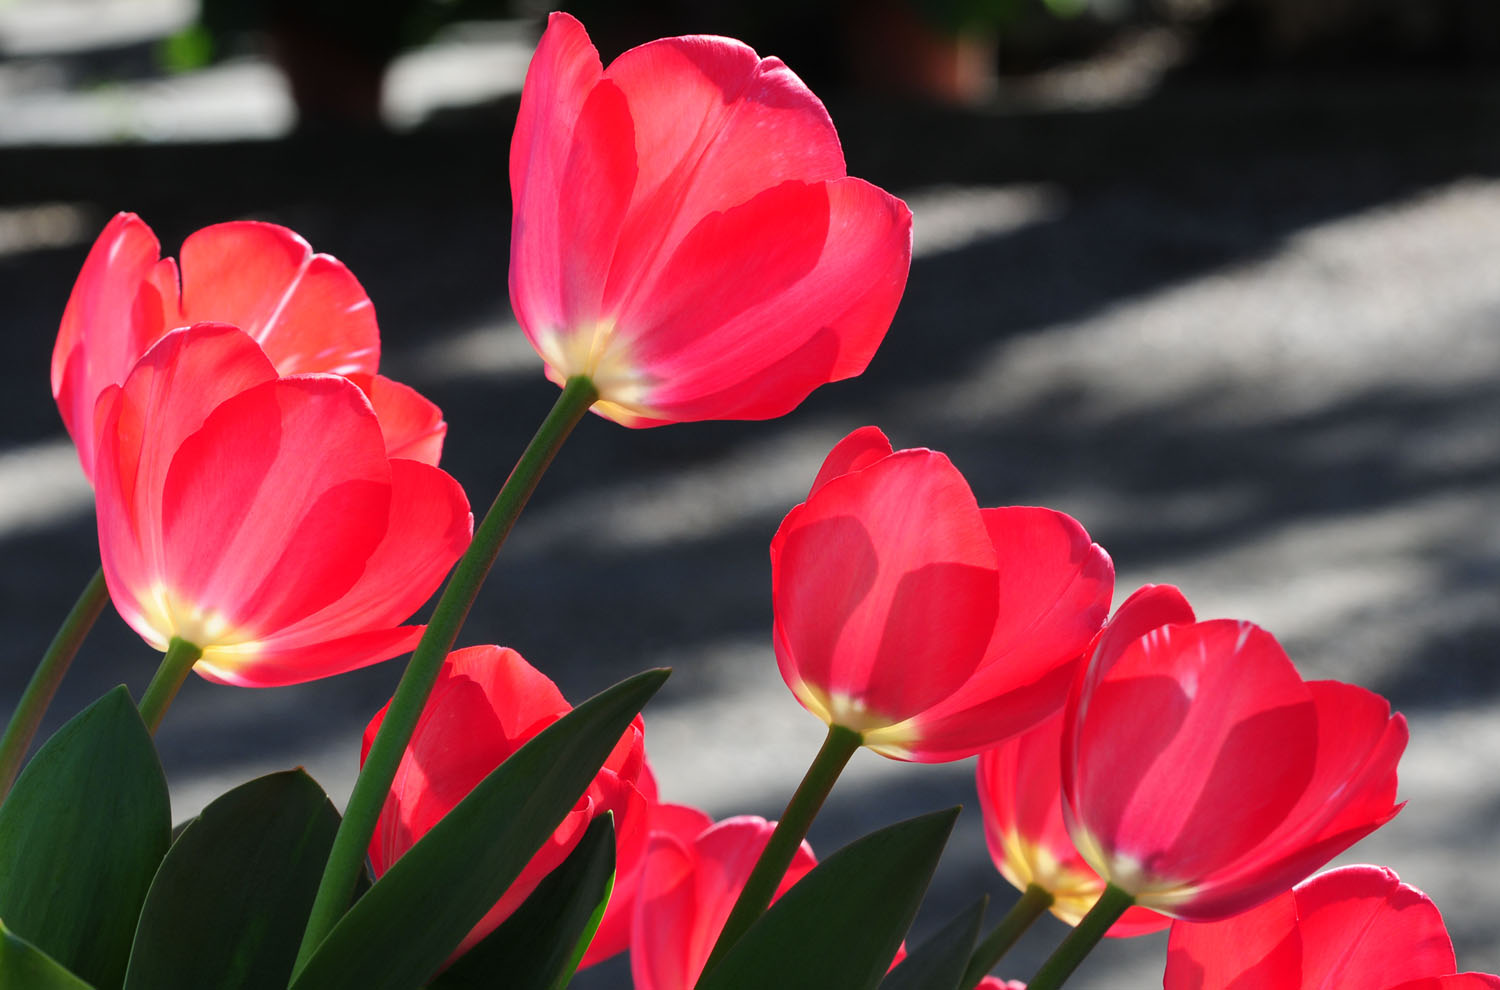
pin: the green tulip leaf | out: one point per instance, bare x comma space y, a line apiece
80, 839
939, 962
840, 925
228, 904
413, 917
539, 946
25, 967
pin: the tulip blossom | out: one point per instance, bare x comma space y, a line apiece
689, 883
1358, 926
1201, 775
487, 703
930, 626
1020, 797
261, 518
685, 234
306, 310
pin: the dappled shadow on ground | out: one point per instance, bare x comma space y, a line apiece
1188, 187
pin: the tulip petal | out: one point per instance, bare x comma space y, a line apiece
855, 452
172, 390
883, 588
428, 529
1361, 926
306, 310
828, 267
1262, 948
276, 665
686, 892
113, 314
290, 483
1055, 586
411, 423
563, 72
1172, 755
715, 125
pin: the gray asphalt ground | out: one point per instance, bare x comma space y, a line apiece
1248, 332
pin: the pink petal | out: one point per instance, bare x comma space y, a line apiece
563, 72
855, 452
277, 665
412, 425
428, 528
715, 126
826, 268
686, 892
306, 310
289, 484
113, 314
172, 390
1361, 926
1460, 981
883, 586
1261, 948
1055, 587
1173, 773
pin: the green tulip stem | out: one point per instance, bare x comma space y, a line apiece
174, 669
374, 781
1081, 940
1033, 904
46, 678
769, 870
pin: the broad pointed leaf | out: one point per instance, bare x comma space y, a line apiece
228, 904
80, 838
939, 962
539, 946
840, 925
25, 967
414, 916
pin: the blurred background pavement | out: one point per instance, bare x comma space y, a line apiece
1220, 278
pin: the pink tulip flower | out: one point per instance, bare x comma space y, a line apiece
306, 310
1358, 926
1020, 798
688, 886
1202, 775
487, 703
261, 518
685, 234
932, 627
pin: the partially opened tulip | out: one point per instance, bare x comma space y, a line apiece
487, 703
307, 311
930, 626
685, 234
260, 519
1358, 926
1202, 775
688, 886
1020, 798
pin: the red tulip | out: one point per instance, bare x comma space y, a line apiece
685, 234
306, 310
1020, 797
932, 627
260, 518
486, 704
1202, 775
1358, 926
688, 886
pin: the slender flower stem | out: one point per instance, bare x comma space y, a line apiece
1081, 940
769, 870
1033, 904
48, 675
175, 666
374, 781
